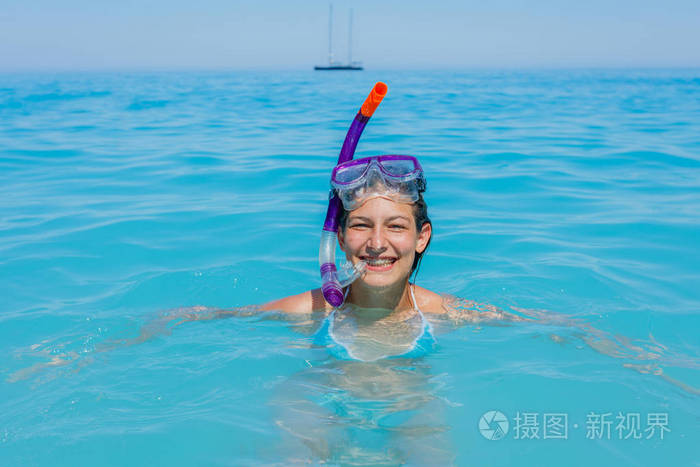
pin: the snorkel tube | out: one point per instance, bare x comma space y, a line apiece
333, 284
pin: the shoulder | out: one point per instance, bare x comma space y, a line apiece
305, 302
462, 310
429, 301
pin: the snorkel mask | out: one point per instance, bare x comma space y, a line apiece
399, 178
353, 182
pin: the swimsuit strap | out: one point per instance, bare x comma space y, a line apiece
426, 324
413, 298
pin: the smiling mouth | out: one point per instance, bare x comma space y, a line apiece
382, 262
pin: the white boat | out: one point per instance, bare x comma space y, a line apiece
332, 64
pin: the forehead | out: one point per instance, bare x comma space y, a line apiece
382, 208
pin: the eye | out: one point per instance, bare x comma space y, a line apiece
397, 227
359, 225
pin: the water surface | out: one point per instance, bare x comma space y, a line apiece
571, 196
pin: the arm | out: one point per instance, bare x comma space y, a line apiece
460, 310
304, 303
644, 356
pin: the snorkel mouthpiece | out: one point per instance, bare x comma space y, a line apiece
334, 281
332, 284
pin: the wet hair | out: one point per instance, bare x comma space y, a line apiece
420, 214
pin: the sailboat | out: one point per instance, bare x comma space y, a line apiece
333, 65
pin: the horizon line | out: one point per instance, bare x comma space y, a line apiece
440, 68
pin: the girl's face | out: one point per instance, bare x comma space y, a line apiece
383, 233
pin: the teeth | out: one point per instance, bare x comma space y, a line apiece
379, 262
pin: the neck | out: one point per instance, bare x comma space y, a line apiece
394, 297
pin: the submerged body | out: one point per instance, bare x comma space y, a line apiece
368, 335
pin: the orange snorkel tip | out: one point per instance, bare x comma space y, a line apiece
374, 99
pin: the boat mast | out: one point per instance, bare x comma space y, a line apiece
330, 35
350, 40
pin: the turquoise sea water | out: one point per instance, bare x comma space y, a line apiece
571, 196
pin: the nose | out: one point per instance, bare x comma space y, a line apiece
375, 251
376, 243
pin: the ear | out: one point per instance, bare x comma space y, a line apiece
341, 239
424, 237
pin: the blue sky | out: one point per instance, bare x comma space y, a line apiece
292, 34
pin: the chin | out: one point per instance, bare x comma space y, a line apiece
380, 280
377, 282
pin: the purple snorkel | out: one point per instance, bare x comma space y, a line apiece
332, 286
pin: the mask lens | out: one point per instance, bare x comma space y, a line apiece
398, 167
350, 173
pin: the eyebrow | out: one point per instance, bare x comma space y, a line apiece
389, 219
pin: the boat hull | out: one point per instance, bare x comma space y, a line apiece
339, 67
